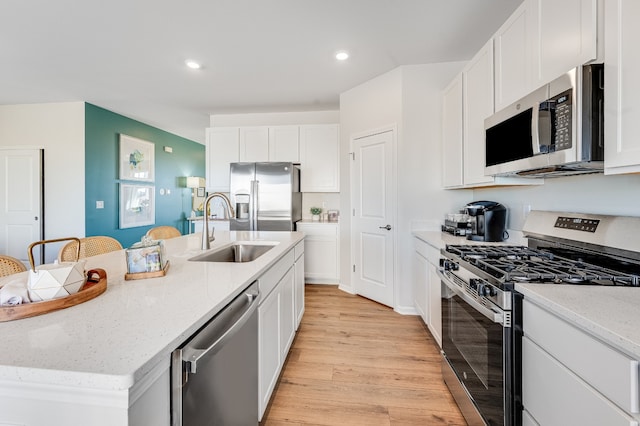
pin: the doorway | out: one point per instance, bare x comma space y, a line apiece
373, 201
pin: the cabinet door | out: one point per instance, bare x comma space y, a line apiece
513, 56
269, 356
319, 166
452, 134
283, 143
434, 310
564, 38
254, 144
420, 277
478, 105
299, 289
321, 253
222, 149
621, 106
287, 312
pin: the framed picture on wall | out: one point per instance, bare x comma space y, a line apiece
136, 159
137, 205
200, 192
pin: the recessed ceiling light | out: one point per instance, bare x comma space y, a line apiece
193, 64
342, 55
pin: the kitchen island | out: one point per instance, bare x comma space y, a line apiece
106, 361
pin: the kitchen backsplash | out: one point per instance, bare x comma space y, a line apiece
324, 200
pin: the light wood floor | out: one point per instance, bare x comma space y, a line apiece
356, 362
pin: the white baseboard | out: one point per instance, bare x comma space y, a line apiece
406, 310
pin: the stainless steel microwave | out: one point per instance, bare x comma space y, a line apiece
555, 131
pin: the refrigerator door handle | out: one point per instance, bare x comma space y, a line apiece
253, 205
256, 204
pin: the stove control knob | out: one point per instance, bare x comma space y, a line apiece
487, 291
448, 265
475, 284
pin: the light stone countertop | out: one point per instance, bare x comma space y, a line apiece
112, 341
610, 313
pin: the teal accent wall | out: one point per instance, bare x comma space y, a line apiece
102, 130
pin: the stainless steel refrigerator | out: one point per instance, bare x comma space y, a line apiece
266, 196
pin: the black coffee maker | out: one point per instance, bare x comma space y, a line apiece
488, 221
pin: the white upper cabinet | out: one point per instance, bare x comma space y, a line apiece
542, 40
254, 144
223, 144
513, 57
319, 165
478, 105
565, 36
452, 134
621, 105
284, 143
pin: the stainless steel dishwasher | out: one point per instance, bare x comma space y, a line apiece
214, 375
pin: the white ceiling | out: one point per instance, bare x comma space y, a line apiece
258, 55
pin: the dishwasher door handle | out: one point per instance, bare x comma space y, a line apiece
191, 355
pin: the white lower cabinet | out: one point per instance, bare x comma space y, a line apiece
322, 252
299, 283
276, 324
571, 377
426, 287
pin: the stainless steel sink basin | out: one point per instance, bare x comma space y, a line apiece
238, 252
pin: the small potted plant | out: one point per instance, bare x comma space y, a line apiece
315, 212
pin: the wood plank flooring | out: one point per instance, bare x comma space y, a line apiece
356, 362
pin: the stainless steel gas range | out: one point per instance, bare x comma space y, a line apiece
481, 311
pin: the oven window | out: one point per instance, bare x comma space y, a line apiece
472, 341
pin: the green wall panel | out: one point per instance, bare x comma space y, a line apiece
102, 130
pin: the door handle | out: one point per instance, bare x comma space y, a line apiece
388, 227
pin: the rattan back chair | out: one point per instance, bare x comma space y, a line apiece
163, 233
10, 265
89, 246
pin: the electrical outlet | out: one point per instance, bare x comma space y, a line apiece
99, 204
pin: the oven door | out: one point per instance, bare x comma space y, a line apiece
475, 345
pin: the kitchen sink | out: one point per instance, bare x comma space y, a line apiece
238, 252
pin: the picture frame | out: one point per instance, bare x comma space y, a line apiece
137, 205
136, 159
332, 215
201, 192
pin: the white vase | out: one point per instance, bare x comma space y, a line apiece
315, 217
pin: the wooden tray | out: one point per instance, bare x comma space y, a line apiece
143, 275
96, 285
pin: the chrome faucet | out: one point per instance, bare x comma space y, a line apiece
205, 229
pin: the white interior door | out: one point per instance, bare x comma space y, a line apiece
20, 202
372, 218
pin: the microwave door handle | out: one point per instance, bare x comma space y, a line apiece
535, 129
496, 317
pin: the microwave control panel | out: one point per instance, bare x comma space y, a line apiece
561, 111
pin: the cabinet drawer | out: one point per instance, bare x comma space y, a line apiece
427, 251
614, 375
318, 231
556, 396
270, 279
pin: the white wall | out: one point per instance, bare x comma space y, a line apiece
408, 97
598, 194
58, 128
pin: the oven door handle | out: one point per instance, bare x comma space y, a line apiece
496, 317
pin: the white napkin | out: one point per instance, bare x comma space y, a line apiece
14, 293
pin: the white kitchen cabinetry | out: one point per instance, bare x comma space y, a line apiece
621, 106
299, 284
222, 149
261, 143
571, 377
284, 143
426, 287
319, 165
478, 105
514, 57
542, 40
463, 126
275, 325
565, 36
452, 125
254, 144
321, 249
